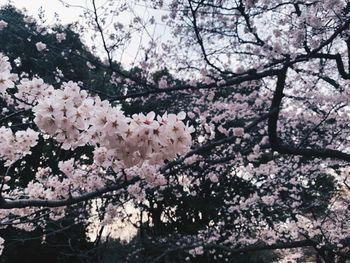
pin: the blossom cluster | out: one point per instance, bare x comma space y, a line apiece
15, 146
30, 91
6, 77
75, 181
40, 46
3, 24
142, 137
60, 37
75, 119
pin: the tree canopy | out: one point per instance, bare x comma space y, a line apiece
224, 140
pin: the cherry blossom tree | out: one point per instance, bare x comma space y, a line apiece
228, 133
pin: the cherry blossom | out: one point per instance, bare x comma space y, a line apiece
229, 130
3, 24
40, 46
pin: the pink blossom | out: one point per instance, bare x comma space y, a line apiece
40, 46
3, 24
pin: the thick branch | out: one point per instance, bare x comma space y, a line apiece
233, 81
280, 245
9, 204
275, 142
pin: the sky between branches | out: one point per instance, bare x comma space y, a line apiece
128, 55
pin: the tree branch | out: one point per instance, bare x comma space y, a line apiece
9, 204
276, 143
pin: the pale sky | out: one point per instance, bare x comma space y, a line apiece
127, 55
67, 15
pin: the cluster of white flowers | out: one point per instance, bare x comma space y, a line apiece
6, 77
147, 172
40, 46
75, 119
15, 146
60, 37
30, 91
3, 24
197, 251
76, 180
65, 114
142, 137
